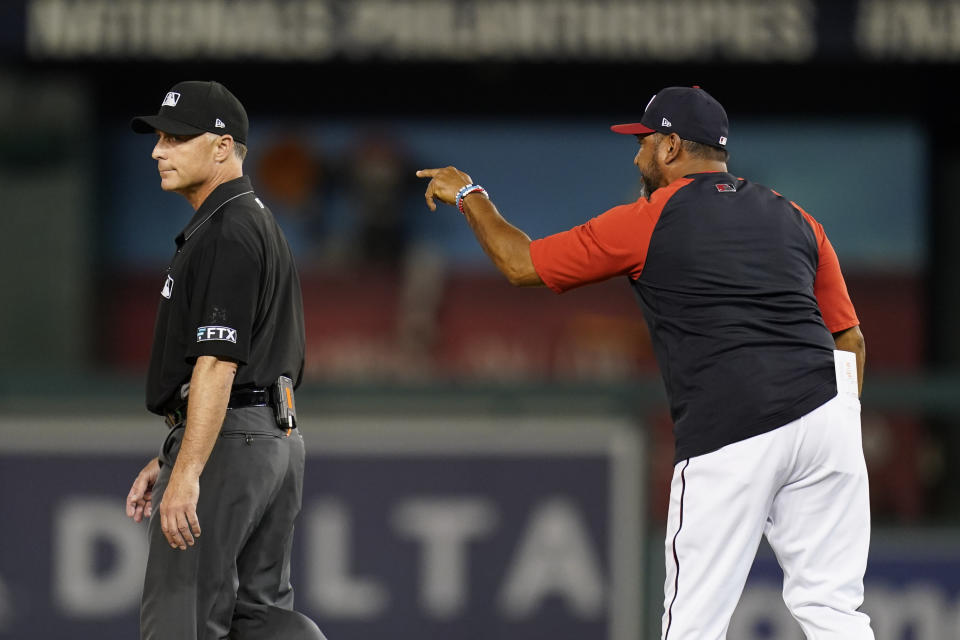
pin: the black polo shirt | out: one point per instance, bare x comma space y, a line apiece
231, 291
740, 289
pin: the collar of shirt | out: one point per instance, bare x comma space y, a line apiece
704, 173
218, 197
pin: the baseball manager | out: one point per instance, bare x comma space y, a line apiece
762, 357
227, 353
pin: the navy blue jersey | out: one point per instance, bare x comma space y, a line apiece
740, 289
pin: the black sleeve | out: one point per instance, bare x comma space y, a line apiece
223, 302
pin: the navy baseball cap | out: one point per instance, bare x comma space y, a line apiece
690, 112
194, 107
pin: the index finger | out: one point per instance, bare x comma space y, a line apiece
427, 173
135, 495
168, 531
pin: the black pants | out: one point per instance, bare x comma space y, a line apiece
234, 583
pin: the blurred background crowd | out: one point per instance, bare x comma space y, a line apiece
845, 107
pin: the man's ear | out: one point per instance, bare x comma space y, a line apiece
224, 148
671, 148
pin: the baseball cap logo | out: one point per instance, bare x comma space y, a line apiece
219, 124
723, 140
666, 123
171, 100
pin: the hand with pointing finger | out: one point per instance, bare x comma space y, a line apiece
444, 185
507, 246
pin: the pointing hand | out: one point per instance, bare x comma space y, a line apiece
445, 184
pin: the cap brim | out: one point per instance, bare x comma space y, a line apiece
150, 124
632, 129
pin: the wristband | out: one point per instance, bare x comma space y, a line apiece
467, 190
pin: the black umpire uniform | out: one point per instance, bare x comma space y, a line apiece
230, 291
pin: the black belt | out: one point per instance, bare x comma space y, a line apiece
239, 399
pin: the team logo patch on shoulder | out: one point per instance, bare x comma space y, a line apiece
725, 187
225, 334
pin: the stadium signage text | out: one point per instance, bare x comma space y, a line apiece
790, 31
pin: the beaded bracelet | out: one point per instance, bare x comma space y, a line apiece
467, 190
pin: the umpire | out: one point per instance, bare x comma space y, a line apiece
227, 351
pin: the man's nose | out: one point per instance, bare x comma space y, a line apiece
157, 153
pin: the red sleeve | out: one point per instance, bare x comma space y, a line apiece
829, 287
612, 244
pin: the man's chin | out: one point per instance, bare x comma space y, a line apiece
645, 190
647, 187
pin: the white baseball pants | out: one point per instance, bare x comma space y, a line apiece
804, 486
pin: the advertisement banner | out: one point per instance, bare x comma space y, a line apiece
454, 527
912, 591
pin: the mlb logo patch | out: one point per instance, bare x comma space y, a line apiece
171, 100
726, 187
